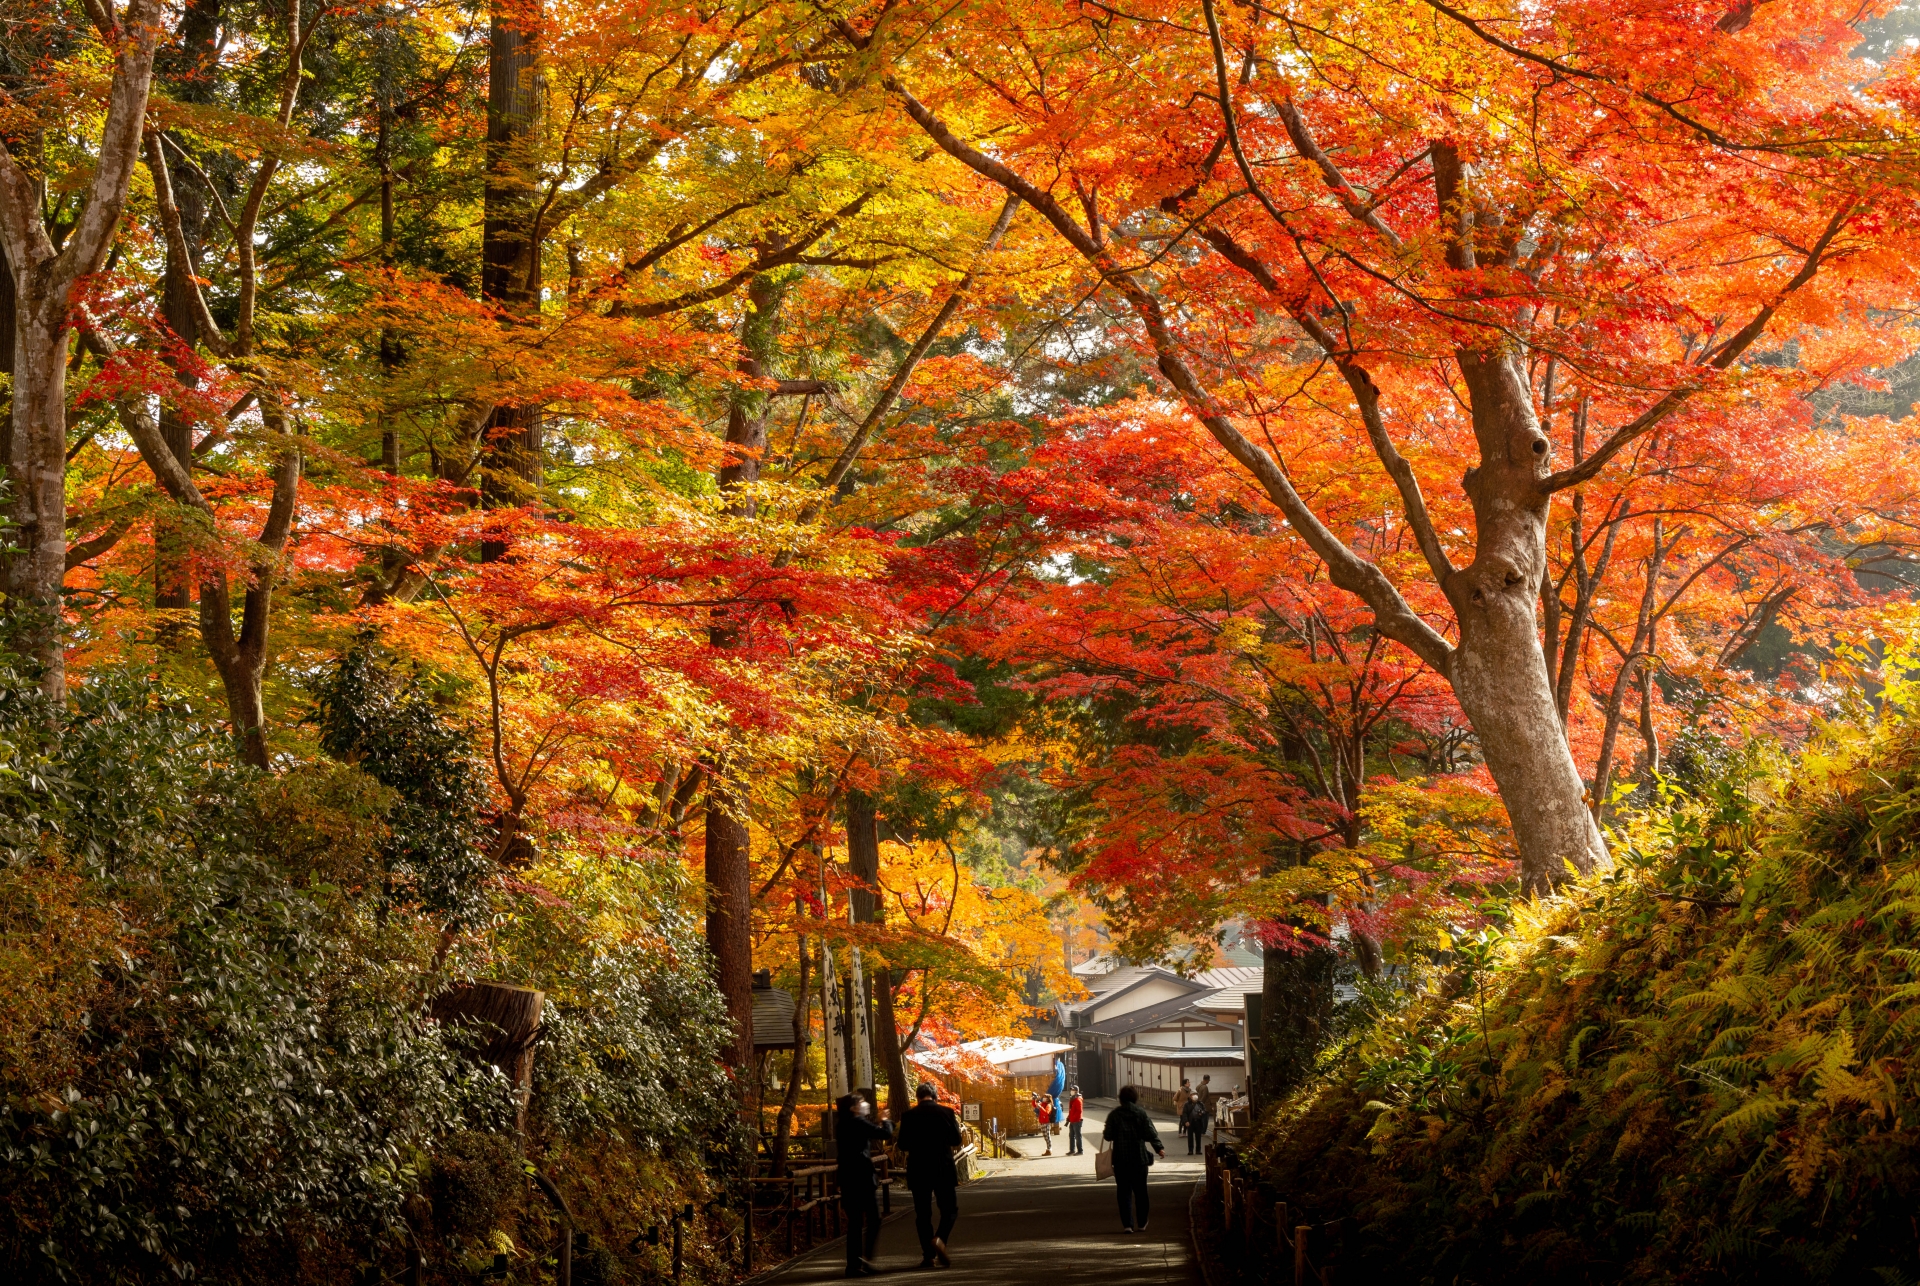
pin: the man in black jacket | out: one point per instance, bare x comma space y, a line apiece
854, 1136
1132, 1133
929, 1135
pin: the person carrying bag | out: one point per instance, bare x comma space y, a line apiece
1136, 1145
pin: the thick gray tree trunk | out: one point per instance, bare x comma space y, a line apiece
1498, 669
43, 282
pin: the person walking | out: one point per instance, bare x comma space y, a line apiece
1202, 1120
1190, 1118
1076, 1110
1132, 1133
1183, 1095
929, 1135
1205, 1094
854, 1136
1043, 1114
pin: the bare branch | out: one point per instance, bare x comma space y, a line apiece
1723, 357
177, 244
763, 263
1304, 143
1345, 568
904, 371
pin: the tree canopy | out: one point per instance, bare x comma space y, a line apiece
915, 479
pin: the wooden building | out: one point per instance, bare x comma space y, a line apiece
1149, 1027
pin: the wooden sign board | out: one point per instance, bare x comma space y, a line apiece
969, 1111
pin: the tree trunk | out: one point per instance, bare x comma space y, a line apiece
43, 279
802, 1038
37, 468
242, 658
172, 575
1498, 671
750, 410
510, 239
729, 870
506, 1022
863, 859
730, 919
184, 68
1296, 1006
886, 1031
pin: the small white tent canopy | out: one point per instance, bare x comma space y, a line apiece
1010, 1055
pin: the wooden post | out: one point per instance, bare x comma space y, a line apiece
565, 1257
1300, 1235
1280, 1225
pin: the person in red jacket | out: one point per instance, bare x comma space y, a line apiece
1043, 1117
1076, 1108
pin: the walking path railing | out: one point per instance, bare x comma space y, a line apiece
1258, 1237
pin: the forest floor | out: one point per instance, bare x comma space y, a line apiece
1041, 1220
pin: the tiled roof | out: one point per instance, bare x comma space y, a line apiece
1188, 1006
1190, 1056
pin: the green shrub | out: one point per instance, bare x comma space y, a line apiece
254, 1054
1703, 1067
216, 1060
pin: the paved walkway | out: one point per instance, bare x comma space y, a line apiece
1041, 1221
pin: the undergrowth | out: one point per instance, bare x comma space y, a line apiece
1702, 1067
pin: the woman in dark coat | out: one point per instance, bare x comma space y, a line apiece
854, 1135
1190, 1125
1132, 1132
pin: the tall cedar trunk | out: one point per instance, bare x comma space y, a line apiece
863, 858
172, 575
1296, 1006
184, 67
510, 261
730, 920
1498, 670
886, 1031
729, 858
748, 416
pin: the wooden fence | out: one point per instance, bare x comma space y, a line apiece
1258, 1237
